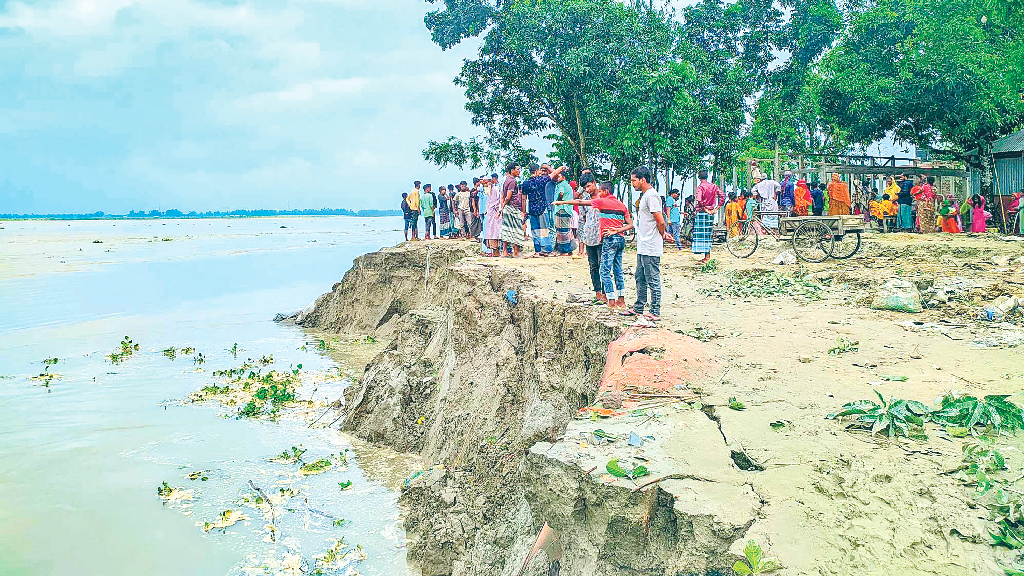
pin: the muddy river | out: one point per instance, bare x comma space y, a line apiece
85, 447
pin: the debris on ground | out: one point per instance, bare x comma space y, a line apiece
999, 308
786, 258
899, 296
758, 283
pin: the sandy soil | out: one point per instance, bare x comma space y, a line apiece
832, 501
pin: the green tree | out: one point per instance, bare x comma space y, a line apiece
941, 75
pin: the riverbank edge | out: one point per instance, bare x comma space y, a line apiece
482, 372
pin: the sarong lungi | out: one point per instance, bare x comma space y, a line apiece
512, 226
770, 205
563, 233
445, 222
702, 224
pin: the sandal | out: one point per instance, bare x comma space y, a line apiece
628, 312
652, 317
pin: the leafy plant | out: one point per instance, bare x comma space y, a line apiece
894, 418
199, 359
199, 475
755, 562
993, 411
292, 457
127, 349
164, 490
47, 362
171, 352
345, 485
187, 350
321, 465
1008, 536
618, 471
235, 349
736, 404
709, 267
844, 345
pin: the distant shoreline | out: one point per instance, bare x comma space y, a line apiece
206, 216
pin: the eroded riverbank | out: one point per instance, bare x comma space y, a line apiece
486, 364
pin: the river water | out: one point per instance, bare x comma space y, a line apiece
82, 457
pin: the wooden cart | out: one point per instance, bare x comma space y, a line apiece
814, 238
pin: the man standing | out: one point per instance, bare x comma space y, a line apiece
707, 199
463, 216
413, 200
768, 191
537, 205
650, 245
590, 235
474, 210
513, 217
406, 215
428, 202
672, 207
563, 216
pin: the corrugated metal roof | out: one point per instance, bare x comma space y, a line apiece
1012, 143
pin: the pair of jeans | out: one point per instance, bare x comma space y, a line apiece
648, 277
541, 243
430, 225
674, 230
594, 259
414, 219
611, 266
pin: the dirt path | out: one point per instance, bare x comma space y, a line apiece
829, 501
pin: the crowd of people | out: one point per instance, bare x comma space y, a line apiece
570, 218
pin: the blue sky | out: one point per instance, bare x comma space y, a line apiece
117, 105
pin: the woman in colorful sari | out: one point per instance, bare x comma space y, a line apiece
925, 197
838, 197
803, 198
978, 214
948, 214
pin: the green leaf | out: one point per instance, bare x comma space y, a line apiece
615, 470
741, 568
754, 554
958, 431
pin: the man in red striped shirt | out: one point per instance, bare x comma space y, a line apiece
707, 199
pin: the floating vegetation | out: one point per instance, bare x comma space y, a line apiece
345, 485
199, 359
171, 352
168, 239
260, 394
266, 360
290, 457
339, 557
128, 348
765, 284
320, 466
214, 390
202, 475
844, 345
187, 350
47, 362
275, 389
170, 494
227, 519
97, 241
234, 350
46, 378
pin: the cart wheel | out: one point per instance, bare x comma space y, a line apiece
846, 245
813, 242
742, 239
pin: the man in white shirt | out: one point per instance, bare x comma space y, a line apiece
768, 191
650, 246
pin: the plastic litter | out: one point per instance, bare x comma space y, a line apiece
898, 295
785, 258
511, 297
999, 308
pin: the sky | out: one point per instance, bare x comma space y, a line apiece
119, 105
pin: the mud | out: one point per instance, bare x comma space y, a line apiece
487, 391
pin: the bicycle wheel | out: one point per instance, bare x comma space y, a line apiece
846, 245
742, 239
813, 242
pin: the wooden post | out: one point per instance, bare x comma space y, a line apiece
777, 173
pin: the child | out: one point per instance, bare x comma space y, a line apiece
406, 215
732, 211
749, 205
